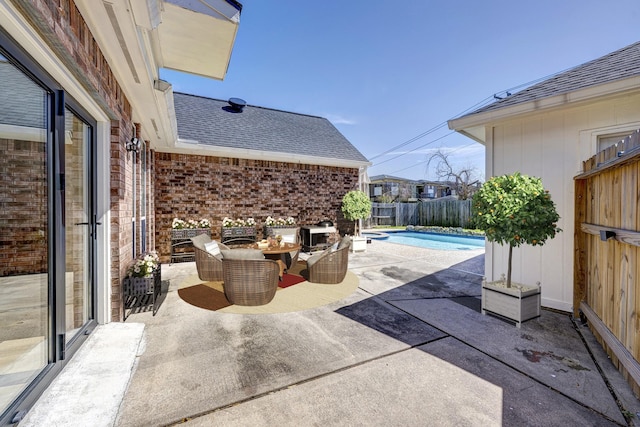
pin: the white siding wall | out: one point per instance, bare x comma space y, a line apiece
552, 146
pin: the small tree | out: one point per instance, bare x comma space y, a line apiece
464, 179
355, 206
515, 209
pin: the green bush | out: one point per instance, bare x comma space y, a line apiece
515, 209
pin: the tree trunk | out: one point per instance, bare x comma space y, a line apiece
509, 266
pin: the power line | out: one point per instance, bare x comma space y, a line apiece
425, 161
486, 101
417, 148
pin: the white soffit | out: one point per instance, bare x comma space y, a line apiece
197, 36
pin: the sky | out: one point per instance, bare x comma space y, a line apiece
389, 74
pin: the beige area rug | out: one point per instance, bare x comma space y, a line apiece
303, 296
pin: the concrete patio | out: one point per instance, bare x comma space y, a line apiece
409, 347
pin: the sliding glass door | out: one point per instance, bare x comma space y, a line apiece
25, 300
48, 229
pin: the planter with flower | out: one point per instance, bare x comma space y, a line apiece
181, 233
276, 226
143, 276
238, 230
514, 209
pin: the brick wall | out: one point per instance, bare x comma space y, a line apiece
197, 187
23, 241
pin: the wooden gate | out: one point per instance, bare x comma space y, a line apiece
607, 256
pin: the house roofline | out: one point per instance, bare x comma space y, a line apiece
194, 148
591, 93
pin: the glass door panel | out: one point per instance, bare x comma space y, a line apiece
24, 271
79, 224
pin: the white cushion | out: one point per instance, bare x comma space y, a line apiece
289, 238
334, 247
212, 247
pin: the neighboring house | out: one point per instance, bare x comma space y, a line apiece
547, 131
241, 161
78, 198
388, 188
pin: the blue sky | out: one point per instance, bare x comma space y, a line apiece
387, 72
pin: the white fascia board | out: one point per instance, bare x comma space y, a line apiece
183, 146
213, 8
588, 94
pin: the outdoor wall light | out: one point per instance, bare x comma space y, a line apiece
133, 145
607, 234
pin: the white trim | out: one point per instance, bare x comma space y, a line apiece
589, 137
103, 243
603, 91
23, 133
193, 147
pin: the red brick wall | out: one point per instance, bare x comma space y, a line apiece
24, 195
197, 187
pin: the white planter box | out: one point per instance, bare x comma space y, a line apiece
358, 244
519, 303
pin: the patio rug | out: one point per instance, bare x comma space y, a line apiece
303, 296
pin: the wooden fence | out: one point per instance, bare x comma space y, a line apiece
607, 261
440, 212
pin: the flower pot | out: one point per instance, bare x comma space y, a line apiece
187, 233
358, 244
518, 303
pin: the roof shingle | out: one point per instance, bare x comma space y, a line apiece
211, 122
621, 64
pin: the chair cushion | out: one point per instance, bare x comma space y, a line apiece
346, 241
242, 254
334, 247
200, 240
213, 248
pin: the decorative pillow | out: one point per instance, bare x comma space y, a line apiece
346, 241
242, 254
334, 247
289, 238
200, 240
212, 247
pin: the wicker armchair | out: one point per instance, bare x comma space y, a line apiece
330, 266
250, 281
209, 266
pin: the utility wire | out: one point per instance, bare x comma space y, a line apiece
426, 161
486, 101
417, 148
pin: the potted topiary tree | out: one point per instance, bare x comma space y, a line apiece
514, 210
355, 207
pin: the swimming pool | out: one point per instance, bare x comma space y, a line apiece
430, 240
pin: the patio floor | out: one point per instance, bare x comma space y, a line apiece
408, 347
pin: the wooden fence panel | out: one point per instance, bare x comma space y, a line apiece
444, 213
609, 200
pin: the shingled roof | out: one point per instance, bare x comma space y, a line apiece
214, 123
621, 64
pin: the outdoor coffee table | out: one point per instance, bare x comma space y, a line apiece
280, 253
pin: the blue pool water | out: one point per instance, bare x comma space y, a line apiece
432, 240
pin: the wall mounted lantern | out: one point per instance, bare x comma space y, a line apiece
133, 145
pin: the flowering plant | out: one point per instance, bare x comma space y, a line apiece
178, 224
270, 221
144, 265
228, 222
